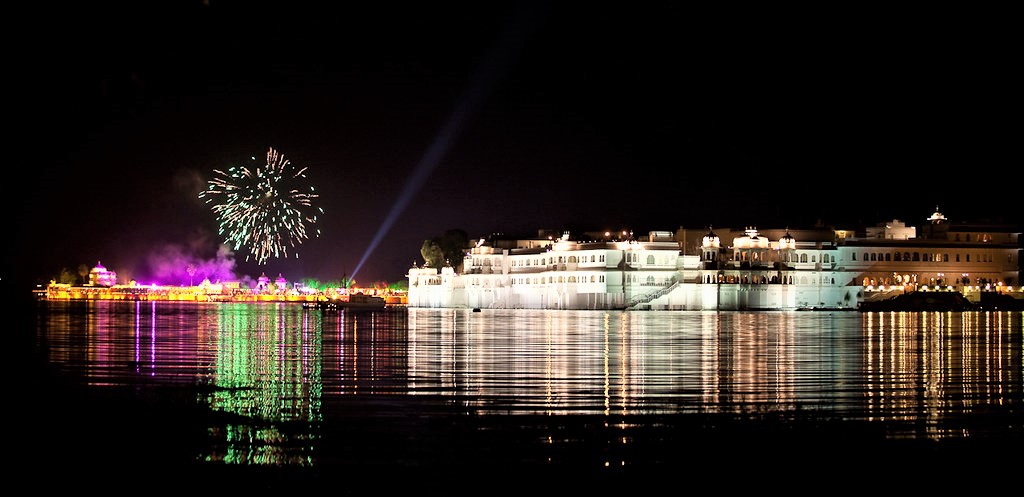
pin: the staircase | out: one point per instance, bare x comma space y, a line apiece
647, 298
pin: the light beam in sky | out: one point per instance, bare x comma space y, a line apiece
494, 67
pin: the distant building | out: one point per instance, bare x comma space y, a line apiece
262, 282
892, 230
768, 269
101, 276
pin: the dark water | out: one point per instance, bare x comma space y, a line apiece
521, 401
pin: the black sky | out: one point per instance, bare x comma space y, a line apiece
647, 115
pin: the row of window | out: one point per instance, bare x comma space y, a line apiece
632, 258
825, 258
886, 256
924, 257
559, 260
984, 237
787, 257
543, 280
764, 279
594, 278
651, 280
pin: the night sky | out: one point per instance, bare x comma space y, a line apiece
516, 117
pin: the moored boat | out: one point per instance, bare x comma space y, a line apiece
355, 301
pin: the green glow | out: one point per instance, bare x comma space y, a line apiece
267, 372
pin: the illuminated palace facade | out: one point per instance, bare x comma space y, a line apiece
775, 269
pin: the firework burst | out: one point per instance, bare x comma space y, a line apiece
266, 208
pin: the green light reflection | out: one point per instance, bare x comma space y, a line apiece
268, 383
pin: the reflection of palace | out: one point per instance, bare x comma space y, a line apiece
760, 269
854, 366
969, 357
629, 363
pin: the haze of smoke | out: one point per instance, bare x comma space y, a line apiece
171, 265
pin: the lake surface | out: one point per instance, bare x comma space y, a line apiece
282, 395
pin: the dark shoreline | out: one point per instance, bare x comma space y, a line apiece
943, 302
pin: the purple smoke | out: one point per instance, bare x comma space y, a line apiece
172, 265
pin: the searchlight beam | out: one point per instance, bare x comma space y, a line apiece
495, 66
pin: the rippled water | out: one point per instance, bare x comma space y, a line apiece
280, 385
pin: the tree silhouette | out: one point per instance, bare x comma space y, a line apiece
432, 253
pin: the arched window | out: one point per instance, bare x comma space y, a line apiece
650, 260
873, 256
896, 256
572, 259
906, 256
917, 256
650, 280
803, 257
888, 257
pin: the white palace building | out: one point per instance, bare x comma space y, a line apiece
774, 269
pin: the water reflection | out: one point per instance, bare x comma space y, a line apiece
929, 368
596, 362
276, 376
266, 374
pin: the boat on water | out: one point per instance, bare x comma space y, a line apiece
355, 301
